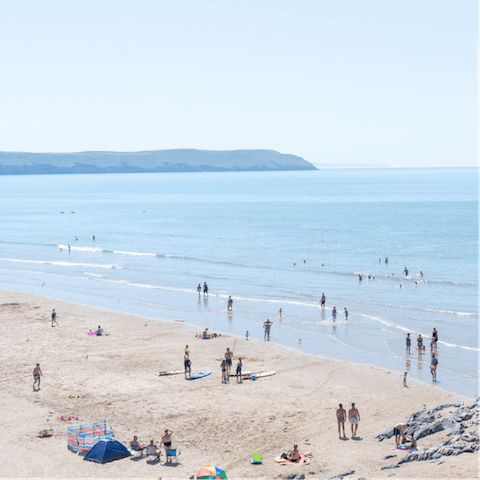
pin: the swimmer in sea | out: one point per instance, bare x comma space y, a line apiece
76, 238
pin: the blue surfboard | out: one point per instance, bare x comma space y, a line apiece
199, 375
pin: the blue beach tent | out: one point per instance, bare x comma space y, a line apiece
107, 451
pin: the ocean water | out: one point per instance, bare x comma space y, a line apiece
271, 240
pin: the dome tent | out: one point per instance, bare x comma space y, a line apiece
107, 451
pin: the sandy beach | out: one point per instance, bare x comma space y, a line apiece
212, 423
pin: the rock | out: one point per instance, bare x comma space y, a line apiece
386, 457
456, 430
311, 473
436, 456
389, 466
384, 435
435, 427
299, 476
339, 477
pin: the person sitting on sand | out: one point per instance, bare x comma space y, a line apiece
167, 439
205, 334
294, 455
134, 445
152, 450
100, 330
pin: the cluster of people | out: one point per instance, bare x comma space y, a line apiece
205, 289
401, 440
421, 348
207, 335
353, 418
226, 367
152, 449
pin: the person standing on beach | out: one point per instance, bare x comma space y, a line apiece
230, 302
404, 379
405, 271
205, 288
386, 259
341, 415
346, 313
224, 371
354, 417
280, 313
69, 247
167, 440
199, 289
435, 336
246, 335
433, 368
267, 325
409, 342
334, 313
37, 372
239, 370
54, 317
187, 363
398, 431
228, 359
419, 343
94, 238
323, 301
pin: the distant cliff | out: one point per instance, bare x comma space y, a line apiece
181, 160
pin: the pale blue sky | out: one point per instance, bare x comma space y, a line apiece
338, 81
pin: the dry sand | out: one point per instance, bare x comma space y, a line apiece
212, 423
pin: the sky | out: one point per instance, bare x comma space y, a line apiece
348, 82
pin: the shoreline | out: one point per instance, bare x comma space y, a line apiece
212, 423
367, 360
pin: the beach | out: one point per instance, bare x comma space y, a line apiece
115, 378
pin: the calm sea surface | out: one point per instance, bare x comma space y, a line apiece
247, 235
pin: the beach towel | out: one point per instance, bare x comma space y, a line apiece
304, 460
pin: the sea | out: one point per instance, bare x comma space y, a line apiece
271, 240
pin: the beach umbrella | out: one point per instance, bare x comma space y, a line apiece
211, 472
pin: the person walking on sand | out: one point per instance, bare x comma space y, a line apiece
37, 372
167, 439
354, 417
239, 370
54, 317
267, 325
224, 371
199, 289
187, 364
334, 313
228, 359
341, 415
408, 342
323, 300
433, 368
230, 302
404, 379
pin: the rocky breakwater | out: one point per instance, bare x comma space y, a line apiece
462, 425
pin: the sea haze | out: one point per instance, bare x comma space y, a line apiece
247, 234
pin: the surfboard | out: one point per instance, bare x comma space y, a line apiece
170, 372
246, 374
199, 375
259, 375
